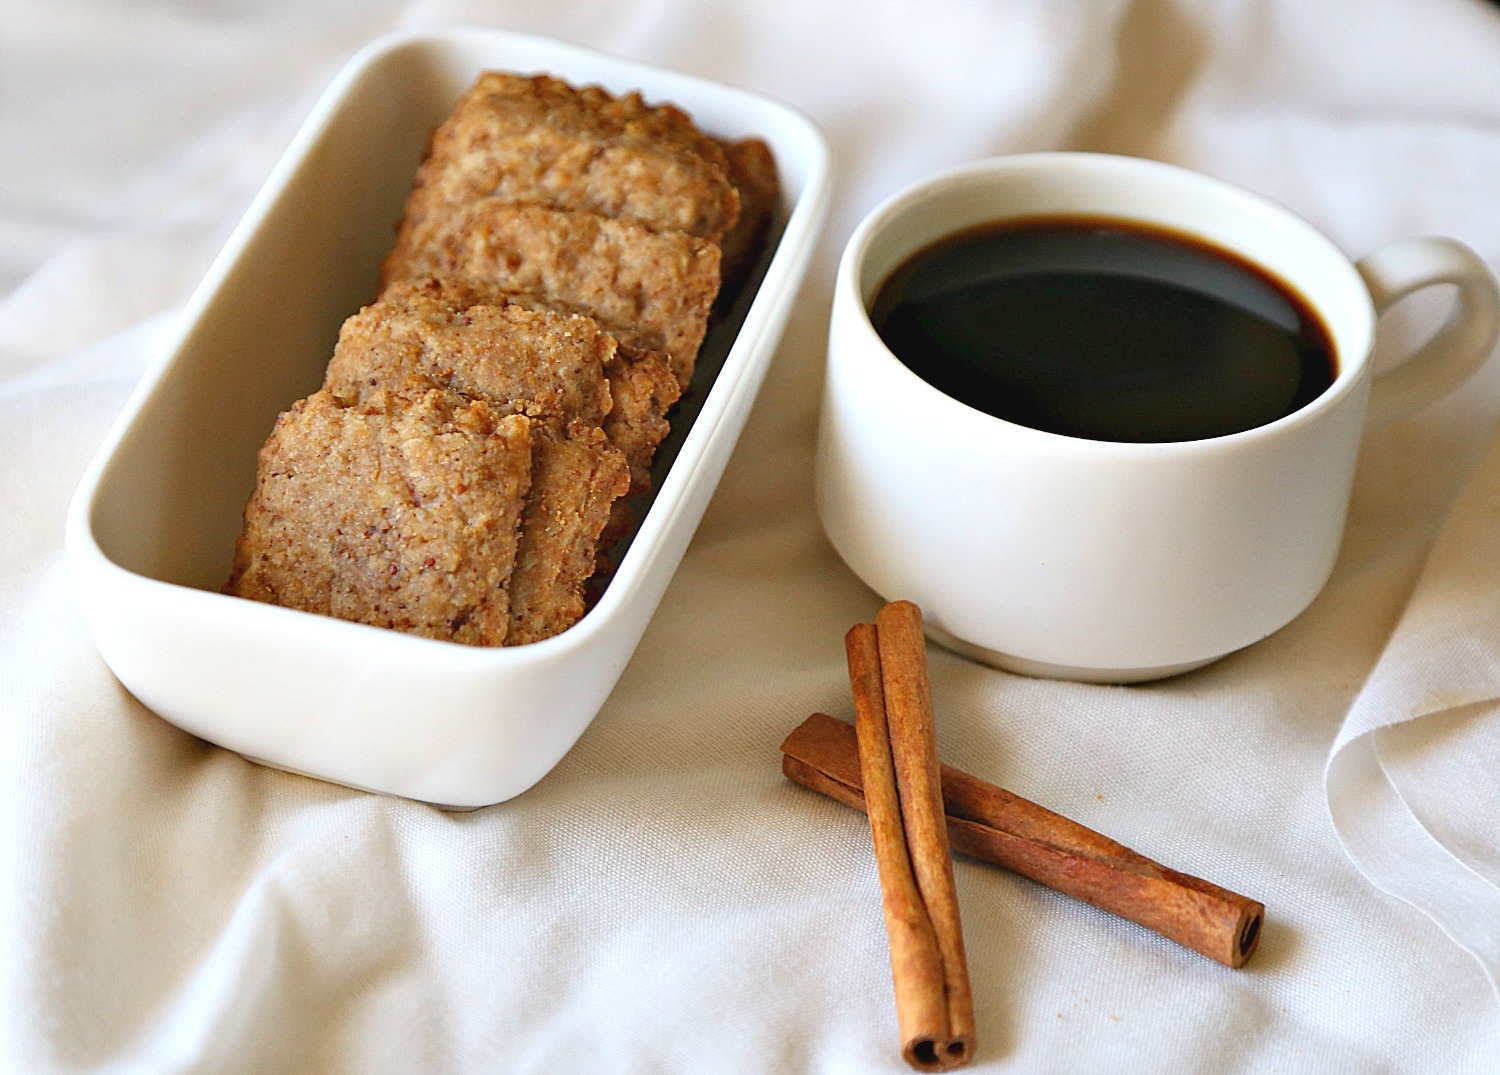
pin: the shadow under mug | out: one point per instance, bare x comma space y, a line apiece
1098, 560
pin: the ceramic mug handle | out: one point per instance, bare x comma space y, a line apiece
1459, 348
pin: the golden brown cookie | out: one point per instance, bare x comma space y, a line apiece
400, 511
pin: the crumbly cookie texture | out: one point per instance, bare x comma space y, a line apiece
548, 366
518, 353
535, 362
653, 290
540, 141
644, 388
576, 478
752, 170
400, 511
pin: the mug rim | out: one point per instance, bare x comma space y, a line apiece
1352, 364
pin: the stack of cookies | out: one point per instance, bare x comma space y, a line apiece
466, 464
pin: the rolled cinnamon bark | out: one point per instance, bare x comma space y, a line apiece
989, 823
897, 758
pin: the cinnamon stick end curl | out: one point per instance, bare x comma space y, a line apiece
928, 1054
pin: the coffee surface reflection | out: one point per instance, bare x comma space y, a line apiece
1104, 330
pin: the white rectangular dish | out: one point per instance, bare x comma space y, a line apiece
152, 527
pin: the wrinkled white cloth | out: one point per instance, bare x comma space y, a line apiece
1414, 779
664, 901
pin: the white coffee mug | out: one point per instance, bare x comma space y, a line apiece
1098, 560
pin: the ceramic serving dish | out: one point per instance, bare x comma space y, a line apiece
152, 527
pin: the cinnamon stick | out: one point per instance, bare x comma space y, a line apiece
989, 823
897, 758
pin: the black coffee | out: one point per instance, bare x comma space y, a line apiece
1104, 330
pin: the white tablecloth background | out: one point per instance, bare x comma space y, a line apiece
664, 901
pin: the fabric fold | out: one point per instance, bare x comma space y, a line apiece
1413, 809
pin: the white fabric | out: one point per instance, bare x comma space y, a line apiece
1414, 780
664, 901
